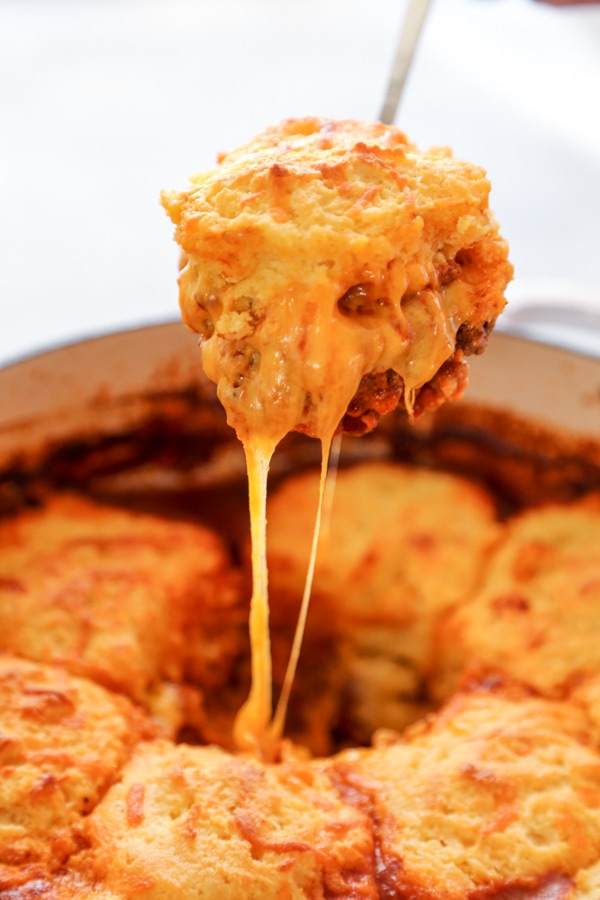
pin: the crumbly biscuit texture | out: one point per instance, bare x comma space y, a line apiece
324, 253
129, 600
497, 794
196, 822
63, 741
587, 884
537, 614
402, 546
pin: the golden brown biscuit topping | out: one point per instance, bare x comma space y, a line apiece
323, 253
333, 272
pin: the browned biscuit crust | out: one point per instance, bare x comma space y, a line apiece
132, 601
402, 546
498, 796
63, 741
197, 822
536, 616
332, 270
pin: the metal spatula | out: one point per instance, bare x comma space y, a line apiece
407, 43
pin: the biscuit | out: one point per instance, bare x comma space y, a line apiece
497, 796
332, 271
402, 546
587, 884
536, 616
63, 741
197, 822
132, 601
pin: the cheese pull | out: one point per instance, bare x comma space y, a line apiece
252, 722
333, 273
257, 730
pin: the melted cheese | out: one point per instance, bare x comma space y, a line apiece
278, 724
318, 255
252, 722
300, 368
255, 730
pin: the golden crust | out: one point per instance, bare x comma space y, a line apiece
63, 741
227, 828
323, 252
587, 695
497, 795
537, 614
402, 546
131, 601
497, 792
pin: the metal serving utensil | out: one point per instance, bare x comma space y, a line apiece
405, 50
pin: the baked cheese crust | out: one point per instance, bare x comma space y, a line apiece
536, 614
63, 742
135, 602
333, 271
495, 794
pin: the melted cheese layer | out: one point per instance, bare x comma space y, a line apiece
325, 251
319, 254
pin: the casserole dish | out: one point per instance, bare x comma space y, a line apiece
129, 419
118, 388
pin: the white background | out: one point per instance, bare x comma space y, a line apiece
105, 102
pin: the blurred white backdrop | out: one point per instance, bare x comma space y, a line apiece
105, 102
